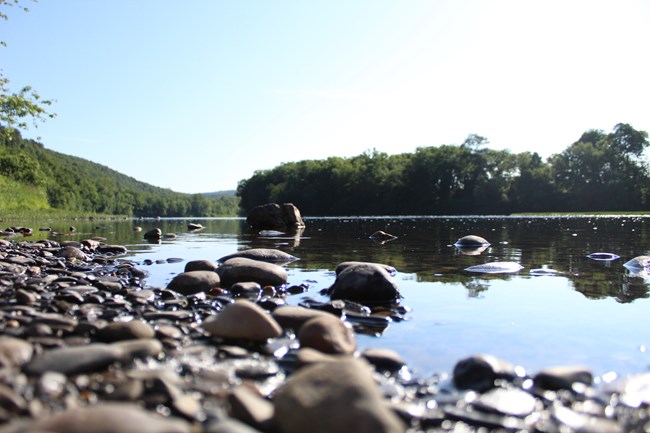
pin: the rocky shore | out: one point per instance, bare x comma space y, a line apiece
88, 346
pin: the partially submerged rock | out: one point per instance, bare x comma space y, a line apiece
192, 282
270, 255
496, 268
274, 216
471, 241
364, 283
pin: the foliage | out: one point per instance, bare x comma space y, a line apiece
17, 107
600, 172
77, 185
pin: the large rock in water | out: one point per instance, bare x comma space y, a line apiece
273, 216
338, 396
365, 283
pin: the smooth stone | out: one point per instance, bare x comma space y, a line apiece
563, 377
309, 356
496, 268
244, 320
328, 334
14, 352
74, 360
241, 269
344, 265
112, 249
200, 265
188, 283
249, 407
194, 226
90, 358
515, 402
117, 331
293, 317
339, 396
384, 359
153, 234
110, 418
262, 254
364, 282
471, 241
72, 253
479, 372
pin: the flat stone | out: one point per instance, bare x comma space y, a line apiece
270, 255
384, 359
333, 397
188, 283
293, 317
563, 377
241, 269
132, 329
110, 418
328, 334
515, 402
245, 320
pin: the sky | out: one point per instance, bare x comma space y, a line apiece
197, 95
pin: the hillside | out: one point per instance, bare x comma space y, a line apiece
35, 178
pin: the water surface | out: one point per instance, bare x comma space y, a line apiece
590, 312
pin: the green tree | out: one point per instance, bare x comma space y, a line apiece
17, 108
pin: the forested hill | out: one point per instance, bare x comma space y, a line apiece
35, 178
600, 172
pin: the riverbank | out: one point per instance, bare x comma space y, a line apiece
85, 337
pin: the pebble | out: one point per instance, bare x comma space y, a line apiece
262, 254
188, 283
328, 334
333, 397
241, 269
244, 320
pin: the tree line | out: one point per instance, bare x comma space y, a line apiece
75, 184
599, 172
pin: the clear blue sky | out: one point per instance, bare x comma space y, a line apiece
197, 95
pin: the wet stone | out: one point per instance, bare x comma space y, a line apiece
514, 401
201, 265
293, 317
241, 269
117, 331
479, 372
244, 320
364, 282
327, 334
188, 283
262, 254
563, 377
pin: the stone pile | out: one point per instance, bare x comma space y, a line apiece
88, 346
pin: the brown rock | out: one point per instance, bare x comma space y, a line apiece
243, 320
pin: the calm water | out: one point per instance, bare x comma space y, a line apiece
593, 313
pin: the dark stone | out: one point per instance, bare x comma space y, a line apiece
200, 265
479, 372
153, 234
273, 216
562, 377
365, 283
192, 282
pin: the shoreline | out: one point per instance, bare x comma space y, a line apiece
83, 329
